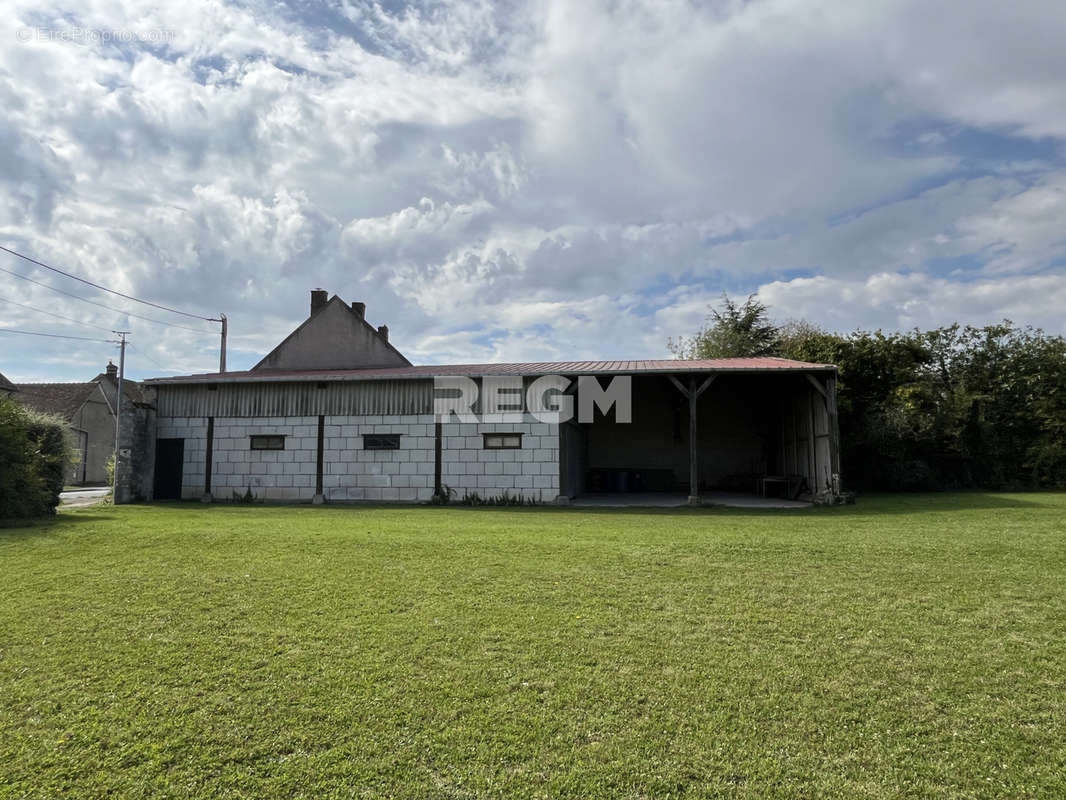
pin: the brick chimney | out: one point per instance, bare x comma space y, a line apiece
359, 309
319, 297
383, 332
111, 371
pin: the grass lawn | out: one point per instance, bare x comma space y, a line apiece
909, 646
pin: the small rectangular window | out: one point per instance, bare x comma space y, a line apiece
382, 441
268, 442
503, 441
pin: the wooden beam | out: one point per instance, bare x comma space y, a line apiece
705, 384
817, 384
678, 384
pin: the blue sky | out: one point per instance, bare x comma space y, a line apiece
526, 180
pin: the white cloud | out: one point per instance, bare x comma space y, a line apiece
536, 178
895, 301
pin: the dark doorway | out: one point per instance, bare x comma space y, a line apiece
169, 458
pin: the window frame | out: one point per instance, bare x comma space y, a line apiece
382, 437
501, 446
272, 436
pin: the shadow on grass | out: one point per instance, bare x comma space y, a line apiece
43, 526
866, 506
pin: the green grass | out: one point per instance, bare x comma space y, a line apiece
908, 646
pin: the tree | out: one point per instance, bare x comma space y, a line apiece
734, 332
950, 408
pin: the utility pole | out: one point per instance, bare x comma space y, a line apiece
222, 354
118, 408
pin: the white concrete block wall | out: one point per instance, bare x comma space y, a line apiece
532, 471
287, 474
352, 473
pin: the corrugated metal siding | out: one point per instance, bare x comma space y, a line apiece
295, 399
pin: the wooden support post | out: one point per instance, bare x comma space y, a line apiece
703, 386
438, 446
693, 393
834, 431
209, 457
812, 445
693, 445
320, 496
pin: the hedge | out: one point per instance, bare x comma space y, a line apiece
36, 451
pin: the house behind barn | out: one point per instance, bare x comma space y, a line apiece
337, 413
89, 409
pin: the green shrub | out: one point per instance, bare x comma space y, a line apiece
35, 453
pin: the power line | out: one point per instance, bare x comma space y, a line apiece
51, 314
105, 289
139, 350
101, 305
57, 336
87, 324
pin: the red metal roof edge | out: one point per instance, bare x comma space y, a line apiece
422, 372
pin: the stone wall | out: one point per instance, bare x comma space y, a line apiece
134, 466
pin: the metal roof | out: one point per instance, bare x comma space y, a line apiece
639, 367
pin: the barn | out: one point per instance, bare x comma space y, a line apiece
336, 413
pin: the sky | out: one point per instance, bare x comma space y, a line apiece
542, 180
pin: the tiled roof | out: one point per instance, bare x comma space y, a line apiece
662, 366
131, 390
63, 399
6, 385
